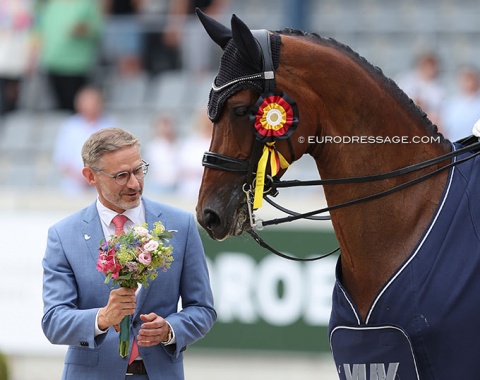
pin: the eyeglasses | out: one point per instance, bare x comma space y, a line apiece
122, 178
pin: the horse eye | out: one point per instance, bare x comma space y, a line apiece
240, 111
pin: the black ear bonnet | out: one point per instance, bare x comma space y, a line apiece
232, 67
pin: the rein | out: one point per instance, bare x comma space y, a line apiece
222, 162
372, 178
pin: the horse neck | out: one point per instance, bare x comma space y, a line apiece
342, 96
377, 236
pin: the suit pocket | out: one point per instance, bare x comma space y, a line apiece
81, 356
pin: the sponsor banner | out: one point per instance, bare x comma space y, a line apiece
266, 302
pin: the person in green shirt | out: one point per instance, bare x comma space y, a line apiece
68, 34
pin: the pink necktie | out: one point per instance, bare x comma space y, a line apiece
119, 221
134, 354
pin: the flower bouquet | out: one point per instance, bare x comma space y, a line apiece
131, 259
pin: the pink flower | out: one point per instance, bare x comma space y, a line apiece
106, 263
115, 275
101, 265
150, 246
145, 258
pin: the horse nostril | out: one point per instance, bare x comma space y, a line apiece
211, 219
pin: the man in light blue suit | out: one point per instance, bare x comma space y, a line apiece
80, 310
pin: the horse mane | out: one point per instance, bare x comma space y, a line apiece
372, 69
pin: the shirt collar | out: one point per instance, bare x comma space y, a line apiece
134, 214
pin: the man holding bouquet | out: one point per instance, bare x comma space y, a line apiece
83, 311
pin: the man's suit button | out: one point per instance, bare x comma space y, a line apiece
84, 344
134, 324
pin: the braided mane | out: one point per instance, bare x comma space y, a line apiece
370, 68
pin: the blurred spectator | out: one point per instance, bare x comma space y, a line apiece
73, 133
158, 56
16, 20
190, 157
462, 110
122, 47
424, 86
68, 44
183, 29
161, 153
122, 43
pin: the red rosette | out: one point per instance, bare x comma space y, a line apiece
276, 117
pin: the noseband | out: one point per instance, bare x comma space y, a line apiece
221, 162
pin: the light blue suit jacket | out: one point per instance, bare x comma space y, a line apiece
74, 291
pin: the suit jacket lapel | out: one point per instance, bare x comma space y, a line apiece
92, 232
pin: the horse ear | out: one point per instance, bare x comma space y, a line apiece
219, 33
245, 42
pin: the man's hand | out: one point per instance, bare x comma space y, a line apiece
154, 331
121, 302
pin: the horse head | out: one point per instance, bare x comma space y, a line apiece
251, 122
280, 95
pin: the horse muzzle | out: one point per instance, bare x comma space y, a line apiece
220, 223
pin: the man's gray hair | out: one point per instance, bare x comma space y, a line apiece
104, 141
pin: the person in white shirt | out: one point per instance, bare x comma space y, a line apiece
73, 133
424, 86
462, 110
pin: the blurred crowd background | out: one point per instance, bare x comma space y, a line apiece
149, 66
71, 67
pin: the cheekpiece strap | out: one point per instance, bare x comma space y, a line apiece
263, 38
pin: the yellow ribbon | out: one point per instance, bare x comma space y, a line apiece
276, 157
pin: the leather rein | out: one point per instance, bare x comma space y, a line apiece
226, 163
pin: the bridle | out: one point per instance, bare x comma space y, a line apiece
218, 161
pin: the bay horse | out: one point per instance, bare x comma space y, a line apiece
404, 303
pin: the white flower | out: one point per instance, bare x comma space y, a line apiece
141, 231
150, 246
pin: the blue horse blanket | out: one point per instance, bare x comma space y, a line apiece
425, 322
